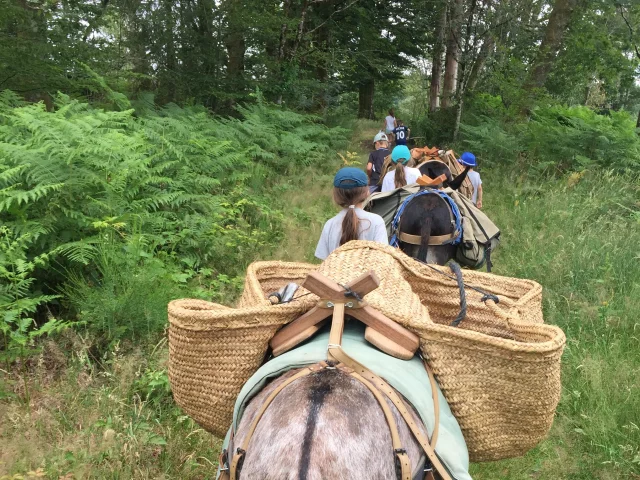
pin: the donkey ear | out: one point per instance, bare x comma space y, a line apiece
456, 182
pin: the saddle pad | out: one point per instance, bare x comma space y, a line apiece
407, 376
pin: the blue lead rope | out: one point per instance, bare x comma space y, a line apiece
454, 208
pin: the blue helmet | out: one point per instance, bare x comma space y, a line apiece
401, 153
468, 159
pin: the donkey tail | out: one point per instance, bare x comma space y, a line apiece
425, 235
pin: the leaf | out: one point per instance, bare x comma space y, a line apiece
156, 440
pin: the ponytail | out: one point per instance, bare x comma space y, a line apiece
349, 226
348, 198
400, 179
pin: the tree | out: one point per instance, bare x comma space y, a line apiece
436, 62
453, 52
559, 21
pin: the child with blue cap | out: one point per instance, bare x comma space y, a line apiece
403, 173
350, 190
468, 159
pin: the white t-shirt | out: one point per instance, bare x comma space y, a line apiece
390, 122
370, 227
476, 182
411, 174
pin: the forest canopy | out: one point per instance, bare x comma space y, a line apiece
318, 54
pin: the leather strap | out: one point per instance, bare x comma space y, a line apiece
238, 458
222, 461
433, 239
335, 352
403, 464
377, 386
338, 353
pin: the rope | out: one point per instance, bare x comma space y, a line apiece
455, 268
395, 224
350, 293
485, 295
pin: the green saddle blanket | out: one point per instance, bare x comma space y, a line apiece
407, 376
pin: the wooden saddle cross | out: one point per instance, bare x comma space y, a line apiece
338, 300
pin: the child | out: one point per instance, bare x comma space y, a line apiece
352, 223
468, 159
402, 133
376, 160
403, 173
390, 123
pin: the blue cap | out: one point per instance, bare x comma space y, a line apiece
468, 159
350, 177
401, 152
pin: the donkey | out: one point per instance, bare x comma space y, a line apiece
324, 425
430, 215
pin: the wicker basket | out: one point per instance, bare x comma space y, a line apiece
213, 350
499, 369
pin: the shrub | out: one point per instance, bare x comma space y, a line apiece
182, 188
558, 139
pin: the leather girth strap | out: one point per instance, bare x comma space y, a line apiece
433, 239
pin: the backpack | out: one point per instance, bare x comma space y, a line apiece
480, 236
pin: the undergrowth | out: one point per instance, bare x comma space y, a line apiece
578, 236
110, 414
117, 212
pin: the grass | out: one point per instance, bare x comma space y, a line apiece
578, 236
111, 417
113, 422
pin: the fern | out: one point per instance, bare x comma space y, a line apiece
171, 184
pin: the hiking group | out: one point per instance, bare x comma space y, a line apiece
386, 171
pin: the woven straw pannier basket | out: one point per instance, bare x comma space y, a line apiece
214, 349
499, 369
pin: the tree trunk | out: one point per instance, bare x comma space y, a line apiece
322, 39
301, 25
638, 122
558, 23
170, 48
470, 84
436, 69
456, 128
283, 31
485, 51
453, 52
234, 42
365, 99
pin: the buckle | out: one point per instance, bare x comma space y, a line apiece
224, 461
